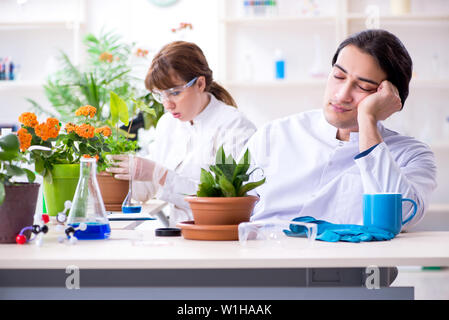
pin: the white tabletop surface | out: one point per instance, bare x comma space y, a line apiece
140, 249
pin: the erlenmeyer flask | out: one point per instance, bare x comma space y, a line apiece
130, 205
87, 205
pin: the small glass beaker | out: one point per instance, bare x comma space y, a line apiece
87, 205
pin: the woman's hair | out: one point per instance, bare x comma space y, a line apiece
186, 61
390, 54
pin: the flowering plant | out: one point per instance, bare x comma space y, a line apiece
47, 146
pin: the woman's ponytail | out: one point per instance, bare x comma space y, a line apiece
221, 94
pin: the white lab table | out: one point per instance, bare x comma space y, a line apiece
134, 264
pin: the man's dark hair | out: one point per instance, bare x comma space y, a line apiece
389, 52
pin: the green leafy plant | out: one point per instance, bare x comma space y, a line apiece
227, 178
11, 160
109, 68
117, 143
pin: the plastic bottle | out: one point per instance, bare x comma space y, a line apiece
273, 8
279, 65
247, 9
2, 70
6, 68
11, 70
259, 7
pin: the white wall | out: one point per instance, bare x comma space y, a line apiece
137, 21
150, 26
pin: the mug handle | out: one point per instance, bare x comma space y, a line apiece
415, 208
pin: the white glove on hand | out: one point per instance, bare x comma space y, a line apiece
140, 170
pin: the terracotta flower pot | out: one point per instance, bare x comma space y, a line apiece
221, 210
113, 191
17, 211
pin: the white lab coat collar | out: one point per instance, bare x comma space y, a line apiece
204, 116
330, 132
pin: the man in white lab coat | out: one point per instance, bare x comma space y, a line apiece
320, 163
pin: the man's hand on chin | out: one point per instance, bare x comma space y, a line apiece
376, 107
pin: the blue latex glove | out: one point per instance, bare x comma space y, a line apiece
339, 232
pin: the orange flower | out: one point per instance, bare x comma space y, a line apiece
48, 129
53, 127
141, 52
106, 56
85, 131
87, 111
53, 122
70, 127
105, 131
88, 156
24, 139
28, 119
42, 131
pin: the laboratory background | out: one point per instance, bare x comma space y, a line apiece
273, 56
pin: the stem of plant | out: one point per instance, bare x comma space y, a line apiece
129, 127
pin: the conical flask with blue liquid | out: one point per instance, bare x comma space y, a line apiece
130, 205
87, 205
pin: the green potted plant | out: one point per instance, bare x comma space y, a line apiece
109, 67
17, 199
114, 191
56, 155
221, 197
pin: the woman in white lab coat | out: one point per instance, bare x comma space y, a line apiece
200, 117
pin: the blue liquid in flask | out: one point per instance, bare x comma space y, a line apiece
131, 209
94, 231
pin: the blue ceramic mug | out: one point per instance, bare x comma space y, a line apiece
384, 211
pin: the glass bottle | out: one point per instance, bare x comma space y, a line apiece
87, 205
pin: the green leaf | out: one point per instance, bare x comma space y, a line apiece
39, 165
228, 170
119, 110
8, 155
217, 171
145, 108
31, 176
83, 148
220, 157
226, 187
13, 170
207, 178
90, 38
242, 166
250, 186
226, 165
10, 142
205, 190
2, 193
206, 187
